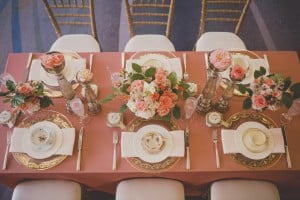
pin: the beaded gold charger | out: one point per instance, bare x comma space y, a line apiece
142, 165
42, 164
238, 118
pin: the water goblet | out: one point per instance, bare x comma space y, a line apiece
190, 105
116, 79
292, 112
77, 106
6, 77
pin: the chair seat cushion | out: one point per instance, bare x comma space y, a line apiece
77, 43
149, 42
243, 189
47, 190
150, 189
215, 40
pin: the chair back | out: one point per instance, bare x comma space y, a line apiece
220, 13
146, 13
71, 14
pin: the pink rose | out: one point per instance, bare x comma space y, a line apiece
141, 106
160, 76
220, 59
52, 60
258, 102
268, 81
137, 85
25, 88
237, 73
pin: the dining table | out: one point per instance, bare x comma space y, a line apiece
97, 148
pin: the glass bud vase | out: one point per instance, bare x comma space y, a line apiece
223, 104
204, 104
90, 97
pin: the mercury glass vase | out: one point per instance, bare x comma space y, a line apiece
223, 104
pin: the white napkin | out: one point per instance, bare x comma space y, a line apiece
230, 147
175, 64
66, 147
256, 63
37, 73
127, 148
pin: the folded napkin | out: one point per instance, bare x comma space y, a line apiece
256, 63
127, 148
37, 73
175, 64
230, 147
66, 147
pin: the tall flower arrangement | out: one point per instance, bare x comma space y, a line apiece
269, 91
150, 92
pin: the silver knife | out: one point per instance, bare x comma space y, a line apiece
187, 147
80, 139
288, 158
25, 76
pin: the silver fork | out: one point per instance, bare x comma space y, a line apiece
185, 74
8, 142
115, 142
215, 141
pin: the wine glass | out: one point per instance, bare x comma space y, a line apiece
190, 105
77, 106
5, 77
292, 112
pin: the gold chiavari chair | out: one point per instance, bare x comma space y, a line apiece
228, 14
66, 15
146, 15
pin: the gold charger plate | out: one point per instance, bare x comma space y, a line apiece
42, 164
144, 166
238, 118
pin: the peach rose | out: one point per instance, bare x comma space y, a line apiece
52, 60
25, 88
258, 102
220, 59
166, 101
237, 73
160, 76
163, 110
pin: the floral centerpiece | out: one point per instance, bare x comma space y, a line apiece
269, 91
53, 62
220, 60
150, 92
26, 97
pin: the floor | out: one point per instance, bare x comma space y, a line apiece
269, 25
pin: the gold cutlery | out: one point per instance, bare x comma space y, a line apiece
115, 142
123, 60
187, 147
215, 141
8, 142
185, 74
288, 158
91, 61
80, 140
25, 76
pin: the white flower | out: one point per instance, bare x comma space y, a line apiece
193, 88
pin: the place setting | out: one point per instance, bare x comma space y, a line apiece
43, 140
152, 141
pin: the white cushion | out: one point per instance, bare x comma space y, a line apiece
77, 43
47, 190
215, 40
149, 42
243, 189
150, 189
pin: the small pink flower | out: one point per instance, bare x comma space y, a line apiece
258, 102
141, 106
166, 101
25, 88
237, 73
160, 76
269, 81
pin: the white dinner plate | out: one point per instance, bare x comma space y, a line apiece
146, 156
254, 64
168, 63
46, 151
239, 139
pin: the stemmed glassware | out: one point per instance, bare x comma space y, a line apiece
292, 112
77, 107
5, 77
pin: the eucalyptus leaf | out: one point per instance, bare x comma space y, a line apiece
287, 99
261, 72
